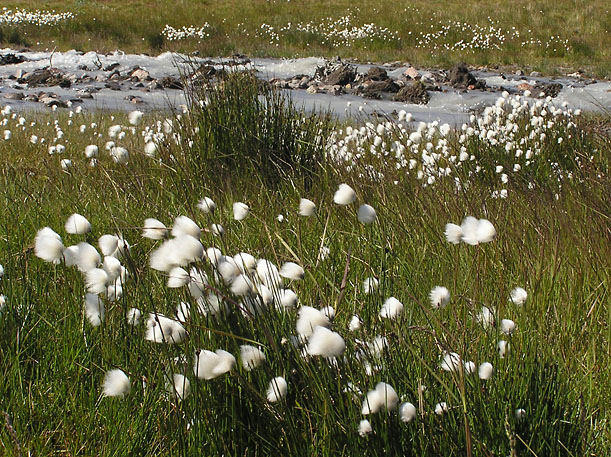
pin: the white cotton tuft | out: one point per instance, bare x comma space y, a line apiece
112, 267
180, 386
503, 348
135, 117
469, 230
108, 244
328, 311
150, 149
242, 286
96, 281
355, 323
245, 262
344, 195
214, 255
485, 317
133, 316
485, 231
48, 245
154, 229
439, 296
286, 299
94, 309
251, 357
277, 389
367, 214
161, 329
88, 257
309, 319
77, 224
453, 233
520, 414
370, 285
364, 427
441, 408
177, 277
407, 412
206, 205
291, 270
383, 397
307, 207
119, 154
326, 343
469, 367
116, 384
485, 371
519, 296
217, 230
185, 226
198, 280
91, 151
268, 274
240, 211
71, 255
508, 326
451, 361
391, 309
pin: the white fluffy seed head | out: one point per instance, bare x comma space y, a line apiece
135, 117
112, 267
206, 205
133, 316
251, 357
91, 151
486, 317
96, 281
185, 226
519, 296
48, 245
161, 329
367, 214
450, 361
209, 365
217, 230
439, 296
453, 233
383, 397
485, 371
441, 408
310, 318
108, 244
469, 230
277, 389
391, 309
177, 277
268, 274
508, 326
180, 386
116, 384
407, 412
154, 229
355, 323
77, 224
240, 211
307, 207
119, 154
503, 348
370, 285
344, 195
291, 270
94, 309
326, 343
88, 257
364, 427
485, 231
469, 367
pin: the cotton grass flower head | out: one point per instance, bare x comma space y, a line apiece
441, 408
133, 316
206, 205
161, 329
96, 281
355, 323
485, 317
364, 427
112, 267
453, 233
88, 257
344, 195
91, 151
326, 343
120, 155
251, 357
177, 277
367, 214
154, 229
209, 365
508, 326
503, 348
310, 318
268, 274
135, 117
180, 386
286, 299
519, 296
485, 371
183, 225
116, 384
450, 361
307, 207
94, 309
240, 211
407, 412
217, 230
291, 270
370, 285
382, 398
440, 297
108, 244
48, 245
520, 414
391, 309
277, 389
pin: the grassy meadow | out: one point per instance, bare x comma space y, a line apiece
464, 371
553, 37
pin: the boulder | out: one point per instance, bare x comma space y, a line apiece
411, 73
45, 77
140, 75
344, 74
413, 93
11, 59
14, 96
549, 89
377, 74
460, 76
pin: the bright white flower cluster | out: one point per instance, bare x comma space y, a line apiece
185, 33
38, 18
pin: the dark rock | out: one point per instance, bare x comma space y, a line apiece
169, 82
549, 89
111, 66
45, 77
112, 85
377, 74
14, 96
345, 74
461, 77
11, 59
377, 89
83, 67
414, 93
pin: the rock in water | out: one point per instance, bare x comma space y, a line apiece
414, 93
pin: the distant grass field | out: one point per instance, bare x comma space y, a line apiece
550, 36
548, 394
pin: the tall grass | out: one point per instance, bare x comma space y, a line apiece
53, 361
